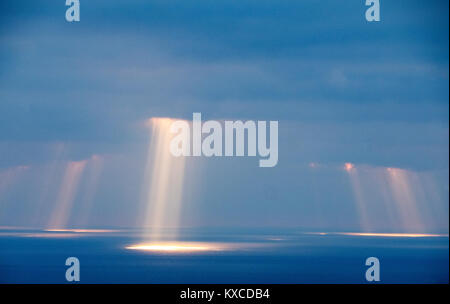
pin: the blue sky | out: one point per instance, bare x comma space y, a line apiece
342, 89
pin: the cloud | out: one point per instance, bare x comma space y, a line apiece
342, 91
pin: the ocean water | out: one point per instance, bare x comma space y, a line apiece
237, 256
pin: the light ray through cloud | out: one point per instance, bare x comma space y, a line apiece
163, 182
10, 176
395, 199
66, 195
93, 173
359, 196
8, 179
49, 176
402, 188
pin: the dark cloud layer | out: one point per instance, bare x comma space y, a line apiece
342, 89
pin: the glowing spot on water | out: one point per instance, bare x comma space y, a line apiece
49, 235
82, 230
376, 234
405, 235
177, 247
191, 247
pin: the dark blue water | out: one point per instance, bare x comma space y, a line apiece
287, 256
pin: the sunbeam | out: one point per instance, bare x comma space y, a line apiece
163, 183
404, 194
93, 172
66, 194
358, 193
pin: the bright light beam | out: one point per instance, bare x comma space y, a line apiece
66, 194
359, 196
163, 186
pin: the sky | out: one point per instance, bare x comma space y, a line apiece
374, 96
